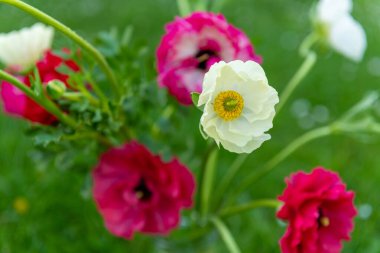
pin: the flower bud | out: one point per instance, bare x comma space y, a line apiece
56, 89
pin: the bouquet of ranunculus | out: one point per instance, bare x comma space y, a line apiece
157, 130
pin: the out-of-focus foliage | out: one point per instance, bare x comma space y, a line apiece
60, 214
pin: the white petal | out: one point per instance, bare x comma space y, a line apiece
209, 82
331, 10
249, 70
252, 145
347, 37
23, 48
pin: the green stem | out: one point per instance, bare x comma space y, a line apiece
226, 235
227, 179
308, 42
72, 35
229, 211
305, 68
184, 7
207, 182
290, 149
46, 103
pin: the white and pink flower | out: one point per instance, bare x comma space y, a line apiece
192, 45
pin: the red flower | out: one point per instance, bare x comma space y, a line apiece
136, 191
17, 103
319, 210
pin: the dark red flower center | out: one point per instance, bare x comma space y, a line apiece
203, 56
142, 191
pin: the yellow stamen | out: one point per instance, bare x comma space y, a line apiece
139, 194
324, 221
228, 105
203, 57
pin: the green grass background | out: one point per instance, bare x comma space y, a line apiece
61, 215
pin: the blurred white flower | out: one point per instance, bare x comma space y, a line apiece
238, 105
21, 49
342, 32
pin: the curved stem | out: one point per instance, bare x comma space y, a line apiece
308, 42
290, 149
72, 35
46, 103
226, 235
305, 68
229, 211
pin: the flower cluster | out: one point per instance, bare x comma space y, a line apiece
40, 56
202, 60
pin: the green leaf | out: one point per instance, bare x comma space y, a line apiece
45, 138
127, 35
195, 98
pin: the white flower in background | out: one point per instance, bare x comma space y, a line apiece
23, 48
238, 105
342, 32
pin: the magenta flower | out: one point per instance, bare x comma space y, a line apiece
15, 102
319, 210
194, 43
136, 191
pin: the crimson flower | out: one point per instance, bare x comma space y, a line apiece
15, 102
192, 45
319, 211
135, 191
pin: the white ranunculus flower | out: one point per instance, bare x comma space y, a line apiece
23, 48
343, 33
238, 105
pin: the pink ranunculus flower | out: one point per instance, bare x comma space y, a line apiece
135, 191
194, 43
319, 211
15, 102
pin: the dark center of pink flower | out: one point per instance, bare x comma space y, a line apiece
203, 56
142, 191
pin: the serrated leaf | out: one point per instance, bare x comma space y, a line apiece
44, 139
97, 117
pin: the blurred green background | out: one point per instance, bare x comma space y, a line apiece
55, 209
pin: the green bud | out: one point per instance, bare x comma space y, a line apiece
55, 89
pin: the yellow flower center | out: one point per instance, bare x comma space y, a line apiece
324, 221
228, 105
